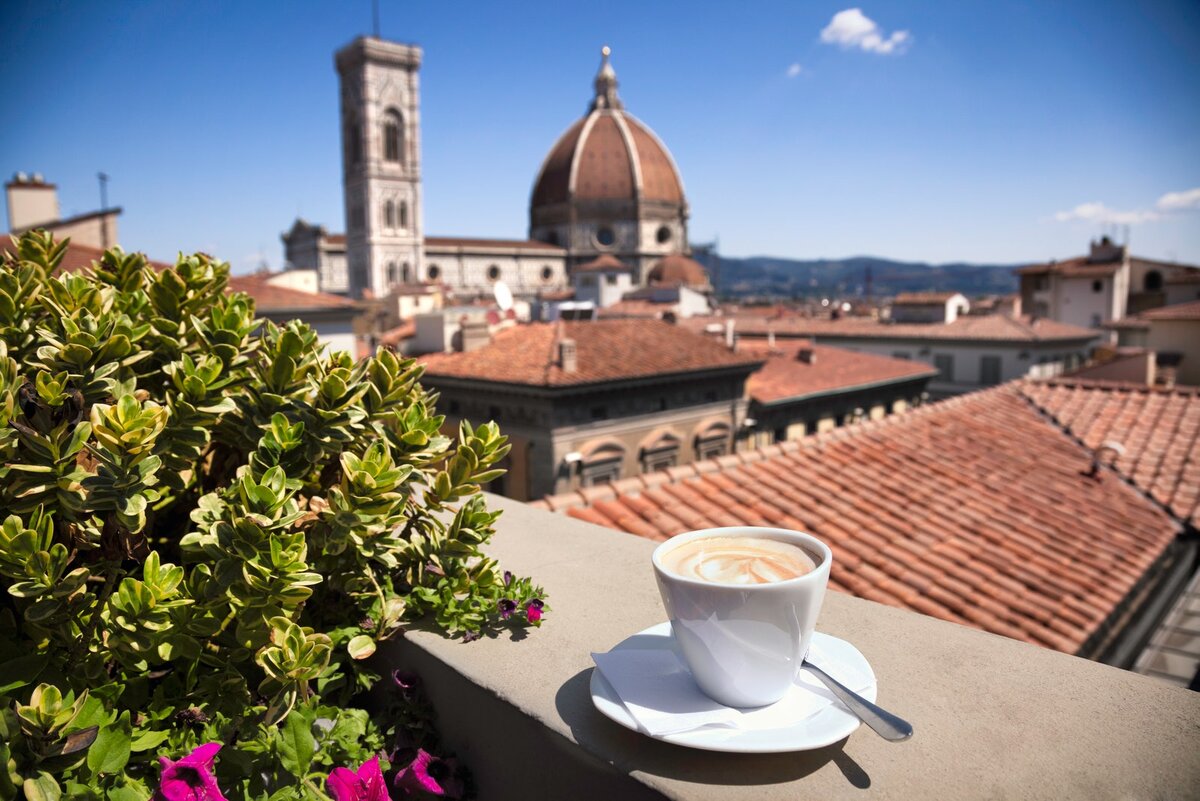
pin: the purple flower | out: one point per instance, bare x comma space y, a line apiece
533, 610
507, 607
429, 774
365, 784
406, 682
508, 577
190, 778
471, 636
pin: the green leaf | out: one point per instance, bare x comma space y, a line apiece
361, 647
42, 788
128, 793
147, 739
110, 752
296, 743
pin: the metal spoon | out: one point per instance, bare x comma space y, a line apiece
882, 722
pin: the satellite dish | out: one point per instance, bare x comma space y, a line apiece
503, 295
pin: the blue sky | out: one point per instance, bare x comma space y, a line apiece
981, 131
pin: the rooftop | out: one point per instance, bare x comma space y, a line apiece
786, 377
271, 299
607, 350
79, 257
1178, 311
486, 244
969, 510
1078, 267
990, 327
923, 298
605, 262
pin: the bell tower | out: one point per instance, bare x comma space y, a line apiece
381, 164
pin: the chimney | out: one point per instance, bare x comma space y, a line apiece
806, 355
729, 333
31, 202
568, 356
1105, 250
474, 335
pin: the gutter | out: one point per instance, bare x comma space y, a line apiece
823, 393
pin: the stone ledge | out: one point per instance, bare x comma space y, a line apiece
994, 718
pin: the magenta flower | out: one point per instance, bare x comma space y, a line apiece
406, 682
533, 610
366, 784
190, 778
508, 577
428, 774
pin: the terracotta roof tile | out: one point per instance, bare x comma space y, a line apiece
785, 377
607, 350
1178, 311
923, 298
976, 510
271, 299
970, 328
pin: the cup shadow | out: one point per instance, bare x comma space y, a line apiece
629, 751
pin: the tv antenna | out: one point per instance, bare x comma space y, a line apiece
103, 178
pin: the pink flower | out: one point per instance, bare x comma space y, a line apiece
365, 785
429, 774
190, 778
533, 611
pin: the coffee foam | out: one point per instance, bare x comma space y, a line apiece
738, 560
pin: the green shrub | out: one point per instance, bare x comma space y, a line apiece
208, 523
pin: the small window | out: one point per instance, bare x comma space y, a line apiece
1097, 286
391, 273
493, 273
605, 236
664, 235
611, 279
353, 142
945, 366
406, 273
494, 412
1153, 281
989, 370
453, 407
393, 135
810, 427
662, 404
599, 412
781, 434
547, 273
389, 214
434, 272
404, 214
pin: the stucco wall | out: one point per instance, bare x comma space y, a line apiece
1178, 336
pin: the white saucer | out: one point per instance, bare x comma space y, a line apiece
824, 728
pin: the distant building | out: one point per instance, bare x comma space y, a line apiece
1106, 285
1172, 333
331, 316
970, 353
586, 403
929, 307
311, 247
805, 389
33, 203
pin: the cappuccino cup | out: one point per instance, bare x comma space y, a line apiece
743, 603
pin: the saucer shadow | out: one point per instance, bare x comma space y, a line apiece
629, 751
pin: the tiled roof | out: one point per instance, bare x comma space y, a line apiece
78, 257
1159, 429
605, 262
1190, 277
923, 298
607, 350
335, 239
270, 299
977, 510
635, 308
1078, 267
988, 327
1178, 311
489, 244
677, 269
785, 377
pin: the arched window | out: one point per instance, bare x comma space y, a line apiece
601, 463
1153, 281
404, 214
391, 273
712, 440
659, 450
434, 272
406, 273
389, 214
493, 272
547, 273
393, 136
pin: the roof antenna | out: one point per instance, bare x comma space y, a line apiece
375, 17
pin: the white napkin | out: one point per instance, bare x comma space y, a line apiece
659, 693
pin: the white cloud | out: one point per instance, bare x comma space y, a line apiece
853, 29
1096, 211
794, 70
1179, 201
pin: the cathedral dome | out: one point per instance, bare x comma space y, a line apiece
608, 155
678, 270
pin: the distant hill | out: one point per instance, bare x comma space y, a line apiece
770, 276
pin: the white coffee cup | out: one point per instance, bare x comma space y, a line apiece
744, 642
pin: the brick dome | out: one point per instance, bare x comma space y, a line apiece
678, 270
607, 155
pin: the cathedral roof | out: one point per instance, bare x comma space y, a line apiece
608, 155
678, 270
